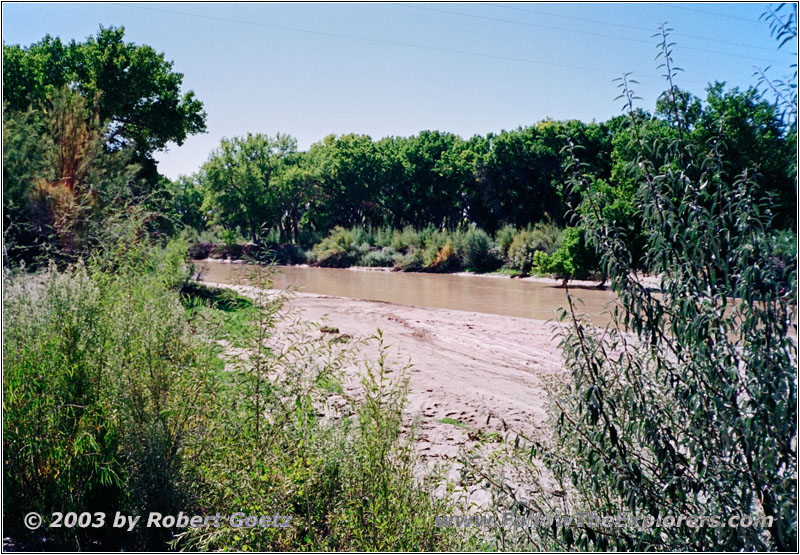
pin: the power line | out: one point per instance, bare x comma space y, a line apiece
537, 25
380, 41
635, 27
751, 20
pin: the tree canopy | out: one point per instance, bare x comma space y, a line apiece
138, 92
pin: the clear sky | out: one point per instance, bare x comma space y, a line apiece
395, 69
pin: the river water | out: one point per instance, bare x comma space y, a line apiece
493, 295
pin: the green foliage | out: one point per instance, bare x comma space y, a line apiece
387, 257
618, 206
63, 183
337, 250
574, 258
290, 439
477, 251
239, 181
115, 399
97, 369
543, 238
504, 237
783, 27
138, 91
186, 201
520, 181
685, 404
410, 250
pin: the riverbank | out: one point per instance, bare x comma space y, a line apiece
649, 281
467, 368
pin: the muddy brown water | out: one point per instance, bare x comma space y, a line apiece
492, 295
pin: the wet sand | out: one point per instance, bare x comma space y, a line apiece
466, 365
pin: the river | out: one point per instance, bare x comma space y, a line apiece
493, 295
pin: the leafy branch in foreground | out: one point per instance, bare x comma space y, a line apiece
783, 27
686, 403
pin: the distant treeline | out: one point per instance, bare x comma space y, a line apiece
259, 182
123, 102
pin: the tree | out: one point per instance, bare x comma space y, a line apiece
435, 178
238, 179
62, 182
138, 92
24, 147
186, 200
349, 170
754, 137
522, 178
298, 187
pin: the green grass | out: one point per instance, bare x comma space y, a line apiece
453, 422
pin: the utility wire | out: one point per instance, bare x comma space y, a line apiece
379, 41
639, 76
634, 27
751, 20
537, 25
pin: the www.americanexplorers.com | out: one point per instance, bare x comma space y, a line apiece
623, 520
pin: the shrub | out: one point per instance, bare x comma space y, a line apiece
231, 238
105, 387
686, 403
573, 259
286, 253
384, 258
407, 238
336, 250
411, 262
383, 236
520, 253
543, 237
504, 237
289, 441
476, 251
445, 260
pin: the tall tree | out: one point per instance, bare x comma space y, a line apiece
61, 181
350, 170
238, 178
139, 94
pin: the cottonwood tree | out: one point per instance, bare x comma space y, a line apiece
139, 92
238, 178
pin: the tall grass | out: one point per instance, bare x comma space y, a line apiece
297, 436
123, 394
98, 366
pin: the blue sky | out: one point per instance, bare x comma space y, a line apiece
395, 69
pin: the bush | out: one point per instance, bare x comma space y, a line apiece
407, 238
573, 259
504, 238
336, 250
543, 237
476, 251
104, 386
289, 441
384, 258
445, 260
383, 237
286, 253
114, 400
411, 262
686, 403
